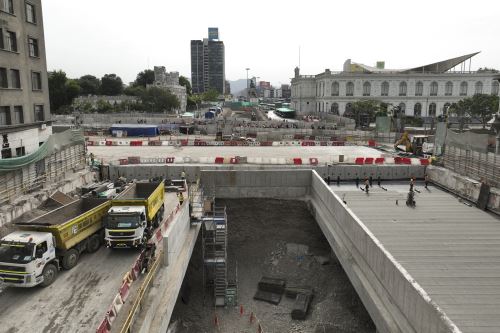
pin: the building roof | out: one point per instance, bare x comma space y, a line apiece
448, 246
436, 67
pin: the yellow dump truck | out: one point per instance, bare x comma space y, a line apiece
134, 214
34, 254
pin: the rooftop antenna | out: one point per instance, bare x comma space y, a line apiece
299, 56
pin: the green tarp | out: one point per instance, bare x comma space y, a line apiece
55, 143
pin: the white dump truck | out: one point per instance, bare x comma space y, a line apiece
34, 254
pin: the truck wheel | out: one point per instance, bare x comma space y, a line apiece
49, 275
93, 244
70, 259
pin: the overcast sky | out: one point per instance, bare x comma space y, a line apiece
124, 36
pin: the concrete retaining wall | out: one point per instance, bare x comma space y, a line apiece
463, 186
193, 172
395, 302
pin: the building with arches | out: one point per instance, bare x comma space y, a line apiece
422, 91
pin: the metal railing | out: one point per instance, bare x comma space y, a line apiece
479, 166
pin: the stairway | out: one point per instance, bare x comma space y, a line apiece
196, 201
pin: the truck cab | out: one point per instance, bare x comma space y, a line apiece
126, 226
28, 258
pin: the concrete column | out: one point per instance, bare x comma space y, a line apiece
497, 150
165, 251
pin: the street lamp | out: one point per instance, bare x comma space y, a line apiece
247, 69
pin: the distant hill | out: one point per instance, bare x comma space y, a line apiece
238, 86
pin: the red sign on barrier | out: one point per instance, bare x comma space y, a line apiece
124, 291
424, 161
397, 160
359, 160
406, 160
123, 161
109, 143
104, 326
379, 160
371, 143
297, 161
136, 143
219, 160
369, 160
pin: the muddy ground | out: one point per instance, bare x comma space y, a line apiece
259, 231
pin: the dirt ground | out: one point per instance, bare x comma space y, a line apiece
258, 233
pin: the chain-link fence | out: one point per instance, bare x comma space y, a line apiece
476, 165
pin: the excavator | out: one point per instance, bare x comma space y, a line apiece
417, 144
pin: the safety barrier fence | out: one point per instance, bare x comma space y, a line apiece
248, 321
133, 275
323, 160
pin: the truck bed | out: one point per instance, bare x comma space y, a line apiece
138, 191
64, 213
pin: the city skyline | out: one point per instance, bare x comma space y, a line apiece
125, 39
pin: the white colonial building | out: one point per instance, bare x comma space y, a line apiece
423, 91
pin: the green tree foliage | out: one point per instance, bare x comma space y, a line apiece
183, 81
363, 111
134, 91
111, 85
479, 106
159, 100
210, 95
89, 84
62, 91
144, 78
104, 106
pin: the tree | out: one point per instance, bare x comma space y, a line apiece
103, 106
111, 85
62, 91
183, 81
134, 91
483, 107
210, 95
364, 111
89, 84
159, 100
144, 78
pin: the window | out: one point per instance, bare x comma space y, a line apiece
20, 151
417, 110
33, 47
15, 79
36, 80
385, 89
403, 89
479, 87
434, 89
11, 41
7, 6
419, 89
349, 89
463, 89
432, 110
367, 87
348, 108
18, 114
30, 13
402, 108
3, 78
2, 45
448, 88
335, 89
5, 115
495, 88
335, 109
39, 116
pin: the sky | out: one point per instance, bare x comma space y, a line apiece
125, 37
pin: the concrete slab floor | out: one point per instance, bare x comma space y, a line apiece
258, 233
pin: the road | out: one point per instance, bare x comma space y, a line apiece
78, 300
112, 153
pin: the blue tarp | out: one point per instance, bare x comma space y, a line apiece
209, 115
135, 129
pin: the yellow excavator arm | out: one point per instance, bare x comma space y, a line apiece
404, 140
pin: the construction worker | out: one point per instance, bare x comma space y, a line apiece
92, 159
367, 185
180, 196
338, 180
371, 181
378, 181
412, 183
328, 180
426, 180
357, 181
183, 175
